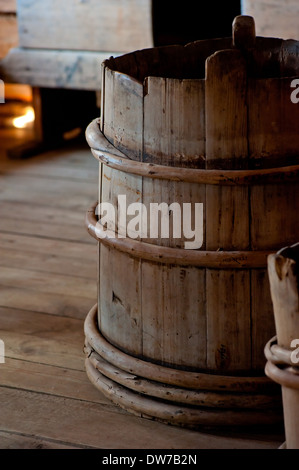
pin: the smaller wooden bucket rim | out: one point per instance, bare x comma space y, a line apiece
279, 366
175, 256
106, 153
282, 376
243, 38
277, 354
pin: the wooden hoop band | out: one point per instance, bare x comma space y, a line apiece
105, 152
167, 375
170, 393
176, 413
176, 256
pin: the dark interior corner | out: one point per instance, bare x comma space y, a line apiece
67, 110
177, 23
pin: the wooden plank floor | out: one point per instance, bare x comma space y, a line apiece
48, 283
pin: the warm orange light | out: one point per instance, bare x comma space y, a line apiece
22, 121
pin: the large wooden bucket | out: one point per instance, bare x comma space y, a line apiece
178, 334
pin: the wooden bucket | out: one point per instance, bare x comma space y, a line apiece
282, 351
178, 334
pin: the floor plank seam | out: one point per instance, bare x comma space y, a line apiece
111, 408
11, 232
46, 439
56, 315
48, 176
42, 364
76, 276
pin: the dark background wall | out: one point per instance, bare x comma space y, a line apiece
180, 22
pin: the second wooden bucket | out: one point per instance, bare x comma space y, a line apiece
282, 350
207, 137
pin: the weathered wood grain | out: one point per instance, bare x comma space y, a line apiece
53, 195
120, 300
178, 193
174, 122
48, 262
49, 246
47, 168
274, 18
34, 300
73, 158
273, 122
17, 441
227, 217
44, 229
54, 283
18, 413
8, 6
54, 68
173, 315
40, 325
38, 211
272, 136
90, 25
8, 34
123, 124
50, 379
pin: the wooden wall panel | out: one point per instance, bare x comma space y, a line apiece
8, 6
50, 69
8, 33
92, 25
274, 18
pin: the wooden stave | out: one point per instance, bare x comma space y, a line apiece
265, 57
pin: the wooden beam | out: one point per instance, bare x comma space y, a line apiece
54, 68
274, 18
86, 25
8, 6
8, 33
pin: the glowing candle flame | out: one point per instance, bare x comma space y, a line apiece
22, 121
